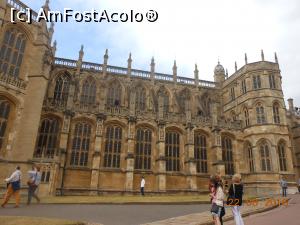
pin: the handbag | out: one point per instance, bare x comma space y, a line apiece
214, 208
231, 200
31, 182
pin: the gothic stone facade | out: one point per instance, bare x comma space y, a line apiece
97, 128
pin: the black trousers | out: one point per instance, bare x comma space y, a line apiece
31, 193
284, 191
142, 191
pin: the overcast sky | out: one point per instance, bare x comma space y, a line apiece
193, 31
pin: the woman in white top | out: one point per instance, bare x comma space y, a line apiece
218, 201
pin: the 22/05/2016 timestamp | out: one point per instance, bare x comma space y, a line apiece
269, 202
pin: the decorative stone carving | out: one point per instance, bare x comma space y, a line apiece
161, 133
99, 127
130, 131
47, 58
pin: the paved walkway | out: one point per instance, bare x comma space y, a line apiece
163, 214
205, 218
282, 215
105, 214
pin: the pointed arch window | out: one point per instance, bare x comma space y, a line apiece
113, 146
5, 108
114, 95
200, 153
260, 114
265, 157
250, 158
172, 151
165, 101
227, 155
47, 139
183, 98
88, 94
143, 149
140, 99
12, 52
61, 91
246, 117
81, 144
272, 81
276, 115
256, 82
282, 157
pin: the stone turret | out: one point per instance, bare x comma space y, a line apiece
54, 47
105, 61
51, 32
129, 66
262, 55
276, 58
291, 104
175, 72
196, 75
219, 74
152, 66
80, 58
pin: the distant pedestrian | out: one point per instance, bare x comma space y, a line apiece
284, 186
235, 198
217, 200
299, 185
13, 187
143, 182
33, 183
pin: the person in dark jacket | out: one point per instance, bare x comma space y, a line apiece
235, 198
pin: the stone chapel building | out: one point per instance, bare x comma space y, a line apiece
97, 128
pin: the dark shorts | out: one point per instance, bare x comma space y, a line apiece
216, 210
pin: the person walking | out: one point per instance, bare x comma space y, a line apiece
13, 187
284, 186
235, 198
143, 182
217, 197
299, 185
33, 183
212, 195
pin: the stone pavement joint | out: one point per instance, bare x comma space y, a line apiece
205, 218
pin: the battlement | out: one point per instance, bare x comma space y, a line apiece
88, 66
